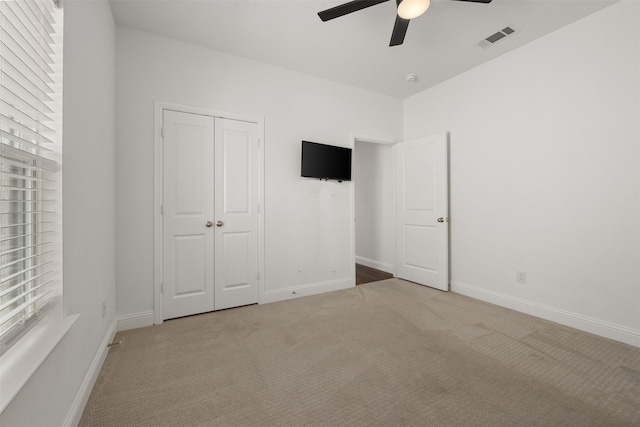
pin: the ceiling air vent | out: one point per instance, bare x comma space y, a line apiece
494, 38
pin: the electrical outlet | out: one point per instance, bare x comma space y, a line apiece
104, 309
521, 277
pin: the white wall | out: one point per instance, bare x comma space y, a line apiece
545, 173
373, 177
308, 226
54, 392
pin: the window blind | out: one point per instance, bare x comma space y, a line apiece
30, 164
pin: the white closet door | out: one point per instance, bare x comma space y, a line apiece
236, 212
188, 203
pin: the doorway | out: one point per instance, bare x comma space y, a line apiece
374, 210
410, 183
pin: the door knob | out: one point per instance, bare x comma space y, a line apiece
441, 219
219, 224
208, 224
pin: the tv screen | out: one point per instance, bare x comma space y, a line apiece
326, 161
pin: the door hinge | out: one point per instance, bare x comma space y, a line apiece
258, 208
162, 288
258, 275
161, 209
162, 131
258, 142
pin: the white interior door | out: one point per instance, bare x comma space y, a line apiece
210, 214
422, 210
236, 188
188, 244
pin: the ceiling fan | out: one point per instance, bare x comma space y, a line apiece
407, 10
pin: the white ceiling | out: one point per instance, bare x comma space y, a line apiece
354, 49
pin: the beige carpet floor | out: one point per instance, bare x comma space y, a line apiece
389, 353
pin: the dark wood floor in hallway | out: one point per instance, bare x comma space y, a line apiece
366, 274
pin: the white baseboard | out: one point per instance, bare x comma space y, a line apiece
79, 403
306, 290
573, 320
378, 265
135, 320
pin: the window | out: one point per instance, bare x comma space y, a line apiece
30, 164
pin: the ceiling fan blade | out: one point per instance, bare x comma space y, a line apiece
478, 1
347, 8
399, 31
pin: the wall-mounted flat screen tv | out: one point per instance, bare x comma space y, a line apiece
326, 161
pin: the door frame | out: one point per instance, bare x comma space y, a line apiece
388, 141
158, 173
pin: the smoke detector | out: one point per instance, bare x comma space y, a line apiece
411, 78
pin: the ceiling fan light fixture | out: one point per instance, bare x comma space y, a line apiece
410, 9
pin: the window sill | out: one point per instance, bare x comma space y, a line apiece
19, 363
